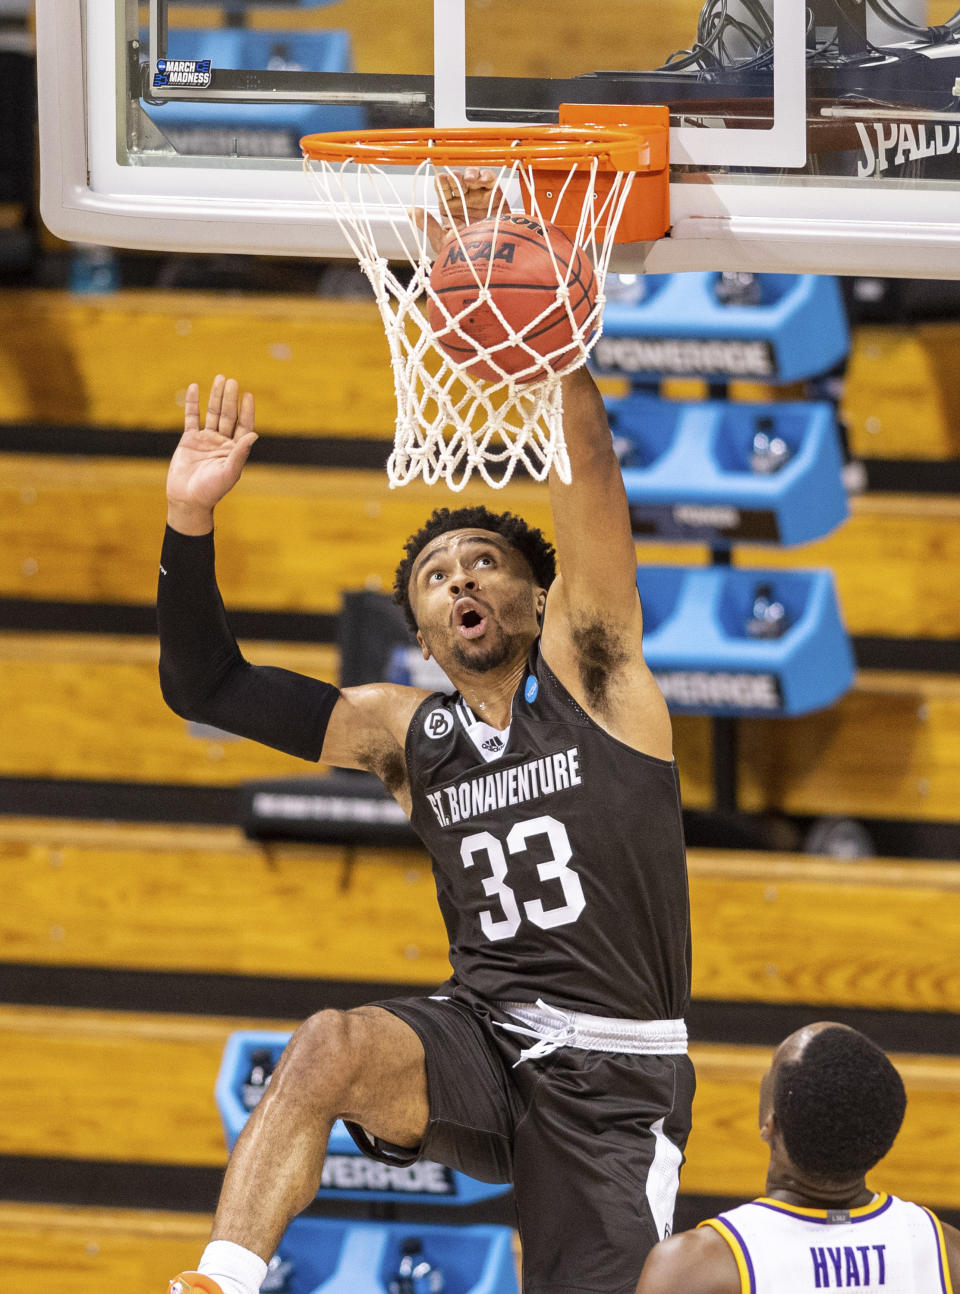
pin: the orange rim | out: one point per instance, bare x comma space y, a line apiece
462, 146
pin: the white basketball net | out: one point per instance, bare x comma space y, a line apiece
451, 423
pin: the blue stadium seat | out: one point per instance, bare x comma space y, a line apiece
689, 475
699, 645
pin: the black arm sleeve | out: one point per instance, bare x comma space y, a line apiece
202, 673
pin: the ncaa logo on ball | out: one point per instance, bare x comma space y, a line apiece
437, 723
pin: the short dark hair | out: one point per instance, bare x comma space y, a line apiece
839, 1106
528, 541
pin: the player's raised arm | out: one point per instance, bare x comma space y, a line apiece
594, 542
595, 549
203, 675
593, 625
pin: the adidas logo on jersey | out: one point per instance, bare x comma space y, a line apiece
493, 743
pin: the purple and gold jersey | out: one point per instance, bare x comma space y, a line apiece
887, 1247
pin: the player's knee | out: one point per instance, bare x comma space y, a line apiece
324, 1057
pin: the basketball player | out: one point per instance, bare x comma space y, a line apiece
545, 790
831, 1105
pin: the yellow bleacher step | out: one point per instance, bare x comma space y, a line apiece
160, 1071
320, 366
59, 1249
89, 706
766, 927
293, 539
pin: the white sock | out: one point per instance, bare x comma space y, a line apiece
237, 1270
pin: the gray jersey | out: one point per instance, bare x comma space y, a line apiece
558, 854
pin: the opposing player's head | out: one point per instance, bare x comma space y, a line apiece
834, 1100
473, 584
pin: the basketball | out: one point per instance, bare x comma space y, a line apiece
512, 255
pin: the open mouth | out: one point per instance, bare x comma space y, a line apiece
470, 622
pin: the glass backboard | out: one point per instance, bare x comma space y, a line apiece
804, 138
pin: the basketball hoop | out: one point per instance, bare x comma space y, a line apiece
600, 176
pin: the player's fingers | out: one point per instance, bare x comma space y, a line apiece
245, 419
468, 195
228, 409
482, 194
448, 183
240, 451
421, 219
212, 421
436, 232
470, 177
479, 182
479, 177
453, 198
191, 408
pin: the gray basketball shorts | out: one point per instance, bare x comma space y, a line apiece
592, 1141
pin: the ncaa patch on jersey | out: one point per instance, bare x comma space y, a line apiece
530, 689
438, 723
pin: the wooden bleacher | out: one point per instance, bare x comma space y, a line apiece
88, 706
864, 934
292, 539
901, 399
67, 1250
64, 1250
160, 1071
867, 933
205, 899
289, 539
874, 934
889, 747
140, 1087
59, 351
57, 366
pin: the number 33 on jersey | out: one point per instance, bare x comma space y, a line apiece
553, 845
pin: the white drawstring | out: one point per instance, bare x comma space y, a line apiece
547, 1040
553, 1028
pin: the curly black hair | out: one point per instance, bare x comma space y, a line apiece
839, 1106
527, 540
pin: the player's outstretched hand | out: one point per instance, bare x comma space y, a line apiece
208, 460
465, 197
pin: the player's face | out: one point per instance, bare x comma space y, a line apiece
474, 600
